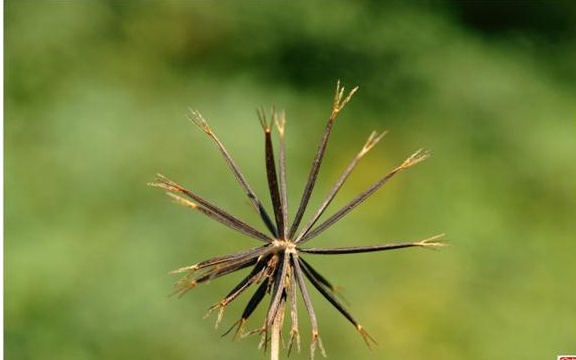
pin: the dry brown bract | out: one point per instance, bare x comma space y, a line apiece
277, 266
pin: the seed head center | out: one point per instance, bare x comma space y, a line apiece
284, 245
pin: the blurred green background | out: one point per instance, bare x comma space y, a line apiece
96, 97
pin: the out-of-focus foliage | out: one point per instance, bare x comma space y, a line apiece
96, 95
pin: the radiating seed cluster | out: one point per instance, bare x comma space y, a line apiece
277, 267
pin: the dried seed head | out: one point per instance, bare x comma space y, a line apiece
277, 266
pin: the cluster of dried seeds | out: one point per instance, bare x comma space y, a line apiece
278, 267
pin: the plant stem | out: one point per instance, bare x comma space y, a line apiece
275, 336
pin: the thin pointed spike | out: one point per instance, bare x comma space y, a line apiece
318, 276
186, 283
199, 121
430, 242
280, 121
254, 252
239, 324
169, 185
277, 288
250, 307
336, 108
255, 300
311, 179
416, 158
218, 319
294, 332
328, 296
372, 140
272, 175
254, 276
278, 291
264, 338
222, 217
339, 102
309, 307
216, 272
333, 289
183, 288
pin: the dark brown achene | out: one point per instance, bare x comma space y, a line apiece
277, 266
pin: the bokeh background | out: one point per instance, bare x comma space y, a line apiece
96, 97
